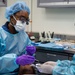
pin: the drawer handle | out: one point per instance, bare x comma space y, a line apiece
51, 54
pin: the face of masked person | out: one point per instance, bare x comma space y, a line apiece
19, 20
20, 25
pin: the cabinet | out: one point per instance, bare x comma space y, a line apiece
56, 3
49, 1
71, 0
3, 3
43, 55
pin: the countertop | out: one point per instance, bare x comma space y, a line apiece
67, 46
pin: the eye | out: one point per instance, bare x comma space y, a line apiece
27, 21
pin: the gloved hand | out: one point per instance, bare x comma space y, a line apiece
30, 50
25, 60
46, 67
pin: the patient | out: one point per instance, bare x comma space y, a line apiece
27, 69
60, 67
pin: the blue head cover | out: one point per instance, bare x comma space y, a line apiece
18, 6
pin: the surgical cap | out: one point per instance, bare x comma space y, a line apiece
18, 6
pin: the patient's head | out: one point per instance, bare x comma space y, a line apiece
27, 69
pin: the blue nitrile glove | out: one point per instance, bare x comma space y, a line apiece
30, 50
25, 60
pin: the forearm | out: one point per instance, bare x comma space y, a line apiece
46, 67
8, 63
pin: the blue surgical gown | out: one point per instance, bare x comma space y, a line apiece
64, 67
11, 46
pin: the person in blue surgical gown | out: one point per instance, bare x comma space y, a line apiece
13, 38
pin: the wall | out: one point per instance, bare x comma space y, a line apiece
47, 19
59, 20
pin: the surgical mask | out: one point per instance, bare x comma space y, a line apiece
20, 26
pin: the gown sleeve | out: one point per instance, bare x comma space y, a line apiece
7, 61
